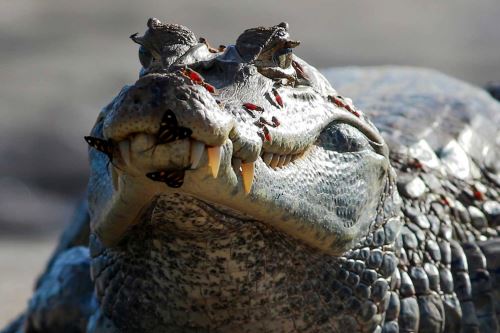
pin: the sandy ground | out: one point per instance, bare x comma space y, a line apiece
62, 60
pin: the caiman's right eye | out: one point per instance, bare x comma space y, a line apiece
145, 57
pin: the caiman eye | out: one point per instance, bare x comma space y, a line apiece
145, 57
283, 57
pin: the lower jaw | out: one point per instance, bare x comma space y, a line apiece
225, 191
229, 274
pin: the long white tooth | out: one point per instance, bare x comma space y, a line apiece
125, 151
281, 161
247, 172
197, 149
274, 161
214, 156
287, 159
114, 177
267, 158
236, 165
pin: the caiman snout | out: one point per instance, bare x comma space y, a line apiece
167, 107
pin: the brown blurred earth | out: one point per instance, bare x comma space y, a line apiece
61, 61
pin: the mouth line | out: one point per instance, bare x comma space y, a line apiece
272, 159
275, 158
277, 161
279, 149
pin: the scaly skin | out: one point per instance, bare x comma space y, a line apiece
197, 226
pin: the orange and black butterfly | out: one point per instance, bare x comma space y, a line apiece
173, 178
104, 146
170, 130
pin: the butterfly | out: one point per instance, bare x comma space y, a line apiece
104, 146
173, 178
170, 130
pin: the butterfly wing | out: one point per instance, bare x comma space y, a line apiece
104, 146
173, 178
170, 130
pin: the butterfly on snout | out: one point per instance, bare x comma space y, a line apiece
170, 130
173, 178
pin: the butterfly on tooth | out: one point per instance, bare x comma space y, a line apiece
173, 178
104, 146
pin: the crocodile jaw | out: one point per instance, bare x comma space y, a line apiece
333, 215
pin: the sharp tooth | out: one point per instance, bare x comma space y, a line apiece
214, 156
236, 165
267, 158
197, 149
114, 176
247, 171
287, 159
281, 161
125, 151
274, 161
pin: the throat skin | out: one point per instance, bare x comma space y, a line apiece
190, 266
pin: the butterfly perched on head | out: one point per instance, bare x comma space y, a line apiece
170, 130
173, 178
104, 146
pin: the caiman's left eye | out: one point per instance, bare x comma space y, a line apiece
283, 57
145, 57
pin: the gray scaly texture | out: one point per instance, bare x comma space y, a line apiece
234, 190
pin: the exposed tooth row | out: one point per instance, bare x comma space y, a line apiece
247, 171
197, 149
276, 161
214, 155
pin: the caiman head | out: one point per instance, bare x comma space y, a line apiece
250, 129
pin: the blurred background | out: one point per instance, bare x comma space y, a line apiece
61, 61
